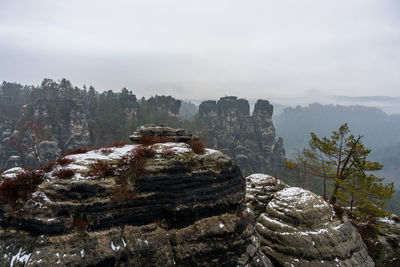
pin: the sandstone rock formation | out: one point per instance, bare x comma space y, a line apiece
165, 103
248, 139
185, 210
383, 241
176, 135
295, 227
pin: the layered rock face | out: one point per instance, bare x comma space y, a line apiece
295, 227
248, 139
185, 209
176, 135
383, 242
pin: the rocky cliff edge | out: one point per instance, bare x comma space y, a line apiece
95, 209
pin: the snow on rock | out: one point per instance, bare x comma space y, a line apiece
12, 173
20, 257
387, 220
114, 248
260, 189
296, 226
298, 197
95, 155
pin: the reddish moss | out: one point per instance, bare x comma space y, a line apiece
20, 187
64, 173
197, 145
106, 151
76, 151
101, 169
64, 161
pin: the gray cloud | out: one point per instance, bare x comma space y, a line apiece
205, 48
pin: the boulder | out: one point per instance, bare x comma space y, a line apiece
299, 228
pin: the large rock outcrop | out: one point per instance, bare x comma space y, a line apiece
248, 139
175, 135
295, 227
185, 209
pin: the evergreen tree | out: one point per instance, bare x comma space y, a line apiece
343, 158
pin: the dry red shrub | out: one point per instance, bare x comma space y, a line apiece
76, 151
106, 151
80, 225
123, 161
138, 158
64, 173
167, 152
130, 166
148, 140
101, 169
64, 161
20, 188
197, 145
119, 144
49, 166
144, 151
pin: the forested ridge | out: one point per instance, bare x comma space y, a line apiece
111, 115
39, 123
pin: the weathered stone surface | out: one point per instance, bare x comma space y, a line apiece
249, 140
187, 210
177, 135
260, 189
298, 228
383, 240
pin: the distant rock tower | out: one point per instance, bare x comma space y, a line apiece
249, 139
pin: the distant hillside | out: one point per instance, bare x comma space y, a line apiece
381, 131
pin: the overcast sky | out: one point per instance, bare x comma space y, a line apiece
206, 49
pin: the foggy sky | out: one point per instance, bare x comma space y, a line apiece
206, 49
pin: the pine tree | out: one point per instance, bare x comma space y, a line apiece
343, 158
